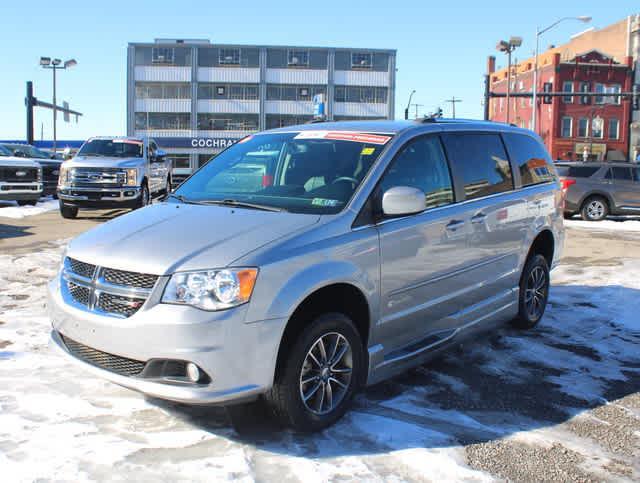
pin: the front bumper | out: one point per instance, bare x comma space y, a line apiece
20, 191
238, 357
125, 197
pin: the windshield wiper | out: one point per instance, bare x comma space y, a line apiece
182, 199
241, 204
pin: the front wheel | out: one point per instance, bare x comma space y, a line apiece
68, 212
534, 292
319, 375
145, 197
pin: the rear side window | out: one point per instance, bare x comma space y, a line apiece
619, 173
530, 157
481, 163
421, 164
577, 171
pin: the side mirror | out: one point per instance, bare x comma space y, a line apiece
19, 154
403, 200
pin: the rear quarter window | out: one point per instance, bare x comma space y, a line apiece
530, 158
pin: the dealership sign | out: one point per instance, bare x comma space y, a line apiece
195, 142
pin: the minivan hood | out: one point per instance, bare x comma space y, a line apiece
102, 162
167, 237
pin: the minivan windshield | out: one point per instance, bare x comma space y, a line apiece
117, 148
300, 172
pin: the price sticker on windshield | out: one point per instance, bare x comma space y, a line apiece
127, 141
344, 136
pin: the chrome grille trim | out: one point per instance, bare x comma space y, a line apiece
98, 176
103, 360
96, 294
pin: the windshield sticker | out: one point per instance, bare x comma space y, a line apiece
367, 151
344, 136
127, 141
324, 202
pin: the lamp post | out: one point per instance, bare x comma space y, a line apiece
406, 111
54, 65
508, 48
539, 32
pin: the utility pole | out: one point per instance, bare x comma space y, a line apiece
453, 102
55, 64
417, 106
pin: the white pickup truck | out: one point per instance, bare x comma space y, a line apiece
20, 179
113, 172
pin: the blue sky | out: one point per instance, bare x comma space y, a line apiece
442, 46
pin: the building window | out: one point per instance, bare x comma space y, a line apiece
283, 120
162, 120
377, 95
613, 89
614, 129
289, 92
180, 161
228, 91
361, 60
163, 90
229, 57
583, 127
227, 122
567, 86
162, 55
567, 127
596, 128
297, 58
600, 89
584, 87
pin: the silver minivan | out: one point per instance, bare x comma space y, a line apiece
305, 262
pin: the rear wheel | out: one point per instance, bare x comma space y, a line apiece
595, 208
68, 212
319, 375
534, 292
27, 202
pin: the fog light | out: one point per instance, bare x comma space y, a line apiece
193, 372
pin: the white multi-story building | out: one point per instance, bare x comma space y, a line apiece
196, 98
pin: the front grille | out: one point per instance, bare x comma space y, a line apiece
97, 176
103, 360
119, 293
17, 187
80, 294
115, 304
81, 268
131, 279
18, 175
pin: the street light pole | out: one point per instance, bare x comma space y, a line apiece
55, 64
406, 111
508, 48
539, 32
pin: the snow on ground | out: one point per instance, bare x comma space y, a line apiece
615, 224
535, 389
10, 209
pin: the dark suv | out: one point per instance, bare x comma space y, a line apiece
50, 166
596, 190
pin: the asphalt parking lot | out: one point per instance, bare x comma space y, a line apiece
559, 403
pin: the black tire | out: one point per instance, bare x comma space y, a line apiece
27, 202
68, 212
286, 399
167, 187
594, 208
145, 196
534, 292
567, 215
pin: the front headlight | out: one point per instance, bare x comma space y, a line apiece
39, 174
132, 177
211, 289
63, 177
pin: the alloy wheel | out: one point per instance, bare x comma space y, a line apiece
536, 293
326, 373
595, 209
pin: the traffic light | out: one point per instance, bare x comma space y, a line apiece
547, 87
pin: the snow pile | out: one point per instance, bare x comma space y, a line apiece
620, 224
59, 422
12, 210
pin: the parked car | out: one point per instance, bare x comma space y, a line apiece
50, 165
365, 249
20, 179
596, 190
113, 172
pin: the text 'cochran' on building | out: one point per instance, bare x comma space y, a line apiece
196, 98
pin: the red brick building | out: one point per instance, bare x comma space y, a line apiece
571, 127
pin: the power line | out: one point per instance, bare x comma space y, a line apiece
453, 102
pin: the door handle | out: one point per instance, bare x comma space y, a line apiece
453, 225
478, 218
